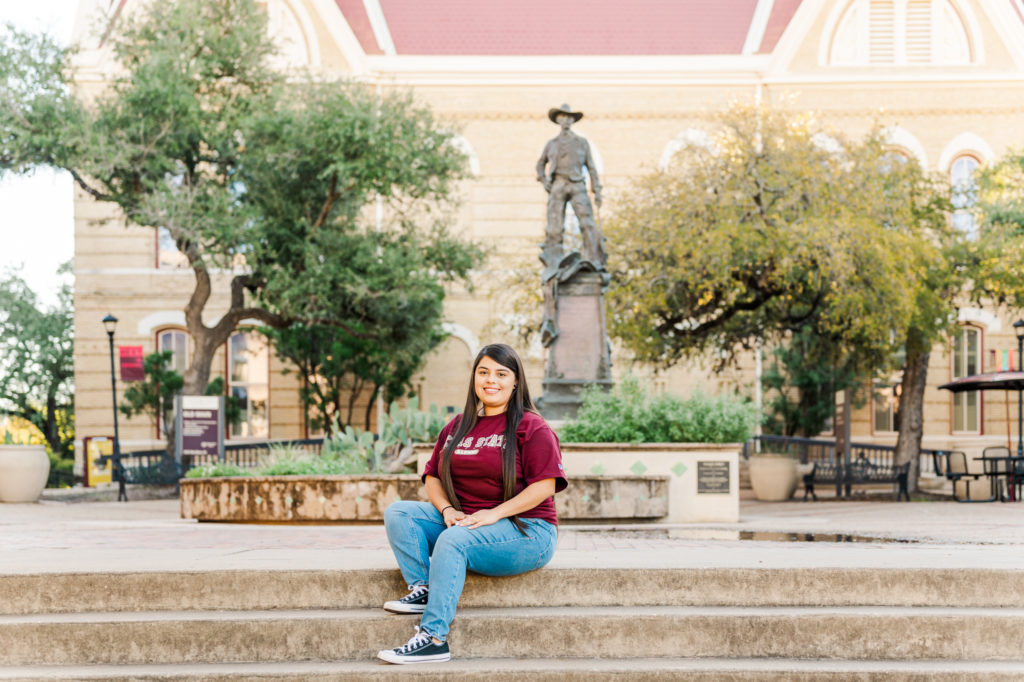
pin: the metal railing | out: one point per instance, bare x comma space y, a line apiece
61, 479
866, 462
246, 455
811, 450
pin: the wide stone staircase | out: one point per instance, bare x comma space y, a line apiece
553, 624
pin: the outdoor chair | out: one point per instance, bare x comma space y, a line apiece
1002, 472
957, 471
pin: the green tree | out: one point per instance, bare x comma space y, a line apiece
801, 384
773, 229
154, 396
398, 321
37, 362
996, 258
266, 176
777, 229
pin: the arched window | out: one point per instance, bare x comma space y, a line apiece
249, 382
901, 33
904, 142
472, 160
176, 341
965, 194
292, 30
691, 137
966, 361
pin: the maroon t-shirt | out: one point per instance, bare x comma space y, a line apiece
476, 463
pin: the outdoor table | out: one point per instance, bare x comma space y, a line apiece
1013, 477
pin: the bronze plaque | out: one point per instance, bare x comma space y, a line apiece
713, 478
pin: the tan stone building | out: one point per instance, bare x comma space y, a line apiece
946, 78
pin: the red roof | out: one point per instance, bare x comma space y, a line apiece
355, 15
782, 12
567, 27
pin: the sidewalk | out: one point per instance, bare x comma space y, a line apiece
149, 535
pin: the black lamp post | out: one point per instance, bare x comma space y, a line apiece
1018, 329
110, 324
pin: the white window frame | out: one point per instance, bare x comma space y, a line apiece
962, 400
890, 394
247, 385
967, 191
180, 367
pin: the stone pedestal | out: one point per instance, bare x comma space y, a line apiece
579, 356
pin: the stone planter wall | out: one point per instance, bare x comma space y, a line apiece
313, 499
296, 498
703, 478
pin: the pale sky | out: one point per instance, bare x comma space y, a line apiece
36, 215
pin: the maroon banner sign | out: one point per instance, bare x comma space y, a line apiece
131, 363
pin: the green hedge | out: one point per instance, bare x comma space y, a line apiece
628, 414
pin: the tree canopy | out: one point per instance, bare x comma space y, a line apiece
383, 345
267, 176
37, 362
774, 227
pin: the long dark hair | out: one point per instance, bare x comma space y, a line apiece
519, 403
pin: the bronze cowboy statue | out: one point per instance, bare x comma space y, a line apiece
562, 169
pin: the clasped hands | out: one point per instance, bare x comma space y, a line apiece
484, 517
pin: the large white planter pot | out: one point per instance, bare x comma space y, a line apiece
773, 478
23, 472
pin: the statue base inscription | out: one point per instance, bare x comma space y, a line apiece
579, 356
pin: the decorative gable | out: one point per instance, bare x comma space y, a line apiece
900, 33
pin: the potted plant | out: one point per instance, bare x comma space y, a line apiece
24, 469
773, 476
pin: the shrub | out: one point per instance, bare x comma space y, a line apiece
348, 450
628, 414
217, 470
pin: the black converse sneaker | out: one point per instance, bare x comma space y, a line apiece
414, 602
420, 649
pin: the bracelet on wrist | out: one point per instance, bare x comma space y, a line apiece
446, 509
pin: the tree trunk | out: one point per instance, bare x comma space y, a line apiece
844, 434
51, 431
207, 341
168, 423
370, 405
911, 409
357, 388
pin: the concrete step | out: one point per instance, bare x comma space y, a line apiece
858, 633
282, 589
543, 670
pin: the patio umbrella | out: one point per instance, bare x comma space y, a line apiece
1004, 381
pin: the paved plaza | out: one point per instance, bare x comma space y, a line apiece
149, 535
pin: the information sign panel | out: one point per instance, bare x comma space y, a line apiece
713, 478
96, 447
200, 431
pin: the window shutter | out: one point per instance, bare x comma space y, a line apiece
919, 31
882, 32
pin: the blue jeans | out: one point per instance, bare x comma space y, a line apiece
430, 554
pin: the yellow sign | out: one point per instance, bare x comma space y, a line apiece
95, 472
